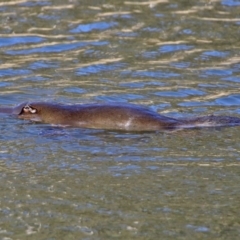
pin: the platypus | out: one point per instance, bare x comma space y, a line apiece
111, 116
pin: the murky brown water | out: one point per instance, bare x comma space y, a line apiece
180, 58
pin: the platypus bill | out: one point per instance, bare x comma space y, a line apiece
125, 117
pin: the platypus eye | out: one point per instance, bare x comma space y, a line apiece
29, 109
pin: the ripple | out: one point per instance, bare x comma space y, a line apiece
198, 228
141, 84
120, 97
232, 79
85, 28
174, 48
74, 90
216, 72
181, 64
155, 74
13, 72
194, 104
10, 41
34, 4
231, 3
180, 93
220, 54
54, 48
97, 68
168, 48
232, 100
42, 64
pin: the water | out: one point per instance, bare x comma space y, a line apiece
180, 58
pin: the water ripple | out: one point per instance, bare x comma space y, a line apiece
97, 26
174, 47
55, 48
98, 68
13, 72
176, 57
11, 41
155, 74
231, 3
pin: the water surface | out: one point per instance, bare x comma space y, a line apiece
180, 58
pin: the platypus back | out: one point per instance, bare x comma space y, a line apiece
125, 117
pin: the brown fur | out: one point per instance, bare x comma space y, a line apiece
126, 117
99, 116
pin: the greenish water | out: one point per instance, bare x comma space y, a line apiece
180, 58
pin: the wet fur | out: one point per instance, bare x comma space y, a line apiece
126, 117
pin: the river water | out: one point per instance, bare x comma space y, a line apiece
180, 58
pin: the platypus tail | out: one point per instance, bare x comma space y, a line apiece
209, 121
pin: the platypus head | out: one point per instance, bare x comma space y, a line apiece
28, 111
40, 112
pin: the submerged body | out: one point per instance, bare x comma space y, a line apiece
125, 117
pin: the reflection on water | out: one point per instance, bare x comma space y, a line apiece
98, 26
55, 48
10, 41
180, 58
